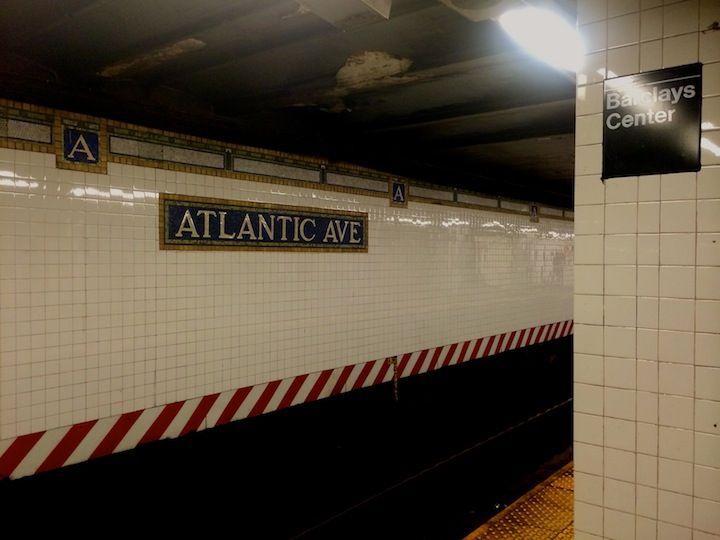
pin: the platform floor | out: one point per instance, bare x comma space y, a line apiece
544, 513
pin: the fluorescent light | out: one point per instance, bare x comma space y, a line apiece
546, 35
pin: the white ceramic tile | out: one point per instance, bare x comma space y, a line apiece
620, 372
588, 458
620, 403
647, 465
676, 411
651, 24
616, 8
707, 383
709, 47
708, 215
708, 282
620, 280
589, 249
619, 190
647, 406
709, 13
589, 101
619, 434
677, 249
680, 18
588, 398
675, 347
648, 4
677, 216
591, 10
646, 501
680, 186
675, 508
589, 219
649, 217
649, 188
624, 30
647, 312
677, 379
711, 80
588, 339
707, 450
707, 416
620, 310
588, 309
708, 249
588, 518
677, 314
588, 428
648, 250
707, 483
588, 368
589, 190
620, 341
647, 344
651, 55
619, 525
588, 130
707, 349
588, 279
619, 495
707, 316
670, 531
645, 528
647, 375
624, 60
708, 182
680, 50
706, 516
710, 148
701, 535
677, 281
588, 488
621, 218
620, 249
711, 111
620, 464
594, 36
675, 443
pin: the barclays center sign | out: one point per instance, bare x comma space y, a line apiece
651, 122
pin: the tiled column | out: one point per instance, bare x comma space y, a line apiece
647, 295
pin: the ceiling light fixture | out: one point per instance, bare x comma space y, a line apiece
545, 35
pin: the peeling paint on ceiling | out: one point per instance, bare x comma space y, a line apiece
154, 58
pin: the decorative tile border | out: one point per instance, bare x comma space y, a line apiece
39, 129
46, 450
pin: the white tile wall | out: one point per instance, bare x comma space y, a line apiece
95, 320
650, 246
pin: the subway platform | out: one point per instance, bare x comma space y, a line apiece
544, 513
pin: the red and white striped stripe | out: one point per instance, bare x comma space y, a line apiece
46, 450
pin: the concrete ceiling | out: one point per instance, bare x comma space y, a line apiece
428, 93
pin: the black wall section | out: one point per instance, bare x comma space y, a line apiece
299, 471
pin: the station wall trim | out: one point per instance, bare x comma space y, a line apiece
34, 128
46, 450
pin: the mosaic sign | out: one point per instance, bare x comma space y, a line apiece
191, 223
398, 193
651, 122
81, 146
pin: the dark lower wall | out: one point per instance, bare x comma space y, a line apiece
309, 468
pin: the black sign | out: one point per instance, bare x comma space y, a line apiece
651, 122
201, 223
